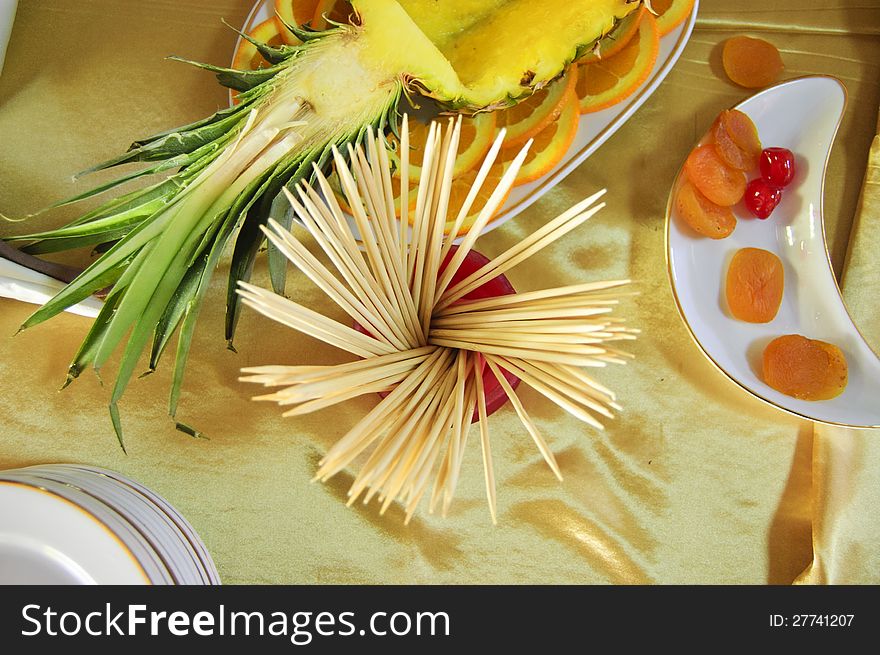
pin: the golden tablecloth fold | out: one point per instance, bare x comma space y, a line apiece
846, 463
694, 482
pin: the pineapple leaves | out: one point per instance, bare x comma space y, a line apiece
102, 273
174, 312
242, 108
306, 33
272, 54
276, 260
176, 149
161, 244
244, 254
237, 80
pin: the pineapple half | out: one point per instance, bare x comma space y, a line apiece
162, 243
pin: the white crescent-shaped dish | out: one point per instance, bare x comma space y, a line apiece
802, 115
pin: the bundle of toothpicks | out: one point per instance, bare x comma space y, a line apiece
421, 341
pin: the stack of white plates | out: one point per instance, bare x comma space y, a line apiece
73, 524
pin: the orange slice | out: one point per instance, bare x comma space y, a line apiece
477, 134
527, 118
671, 13
606, 82
293, 12
617, 39
336, 10
550, 144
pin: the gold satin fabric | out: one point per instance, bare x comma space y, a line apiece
695, 482
846, 474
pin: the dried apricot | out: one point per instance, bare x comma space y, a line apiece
752, 63
736, 141
804, 368
703, 215
730, 153
742, 130
720, 183
755, 282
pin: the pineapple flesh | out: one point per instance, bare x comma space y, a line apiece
503, 50
162, 243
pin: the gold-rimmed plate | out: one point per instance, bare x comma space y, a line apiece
802, 115
48, 539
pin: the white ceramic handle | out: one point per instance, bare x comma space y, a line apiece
7, 16
20, 283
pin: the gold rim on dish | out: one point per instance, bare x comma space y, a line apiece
671, 277
94, 519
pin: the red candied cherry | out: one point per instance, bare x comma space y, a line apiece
761, 198
777, 166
